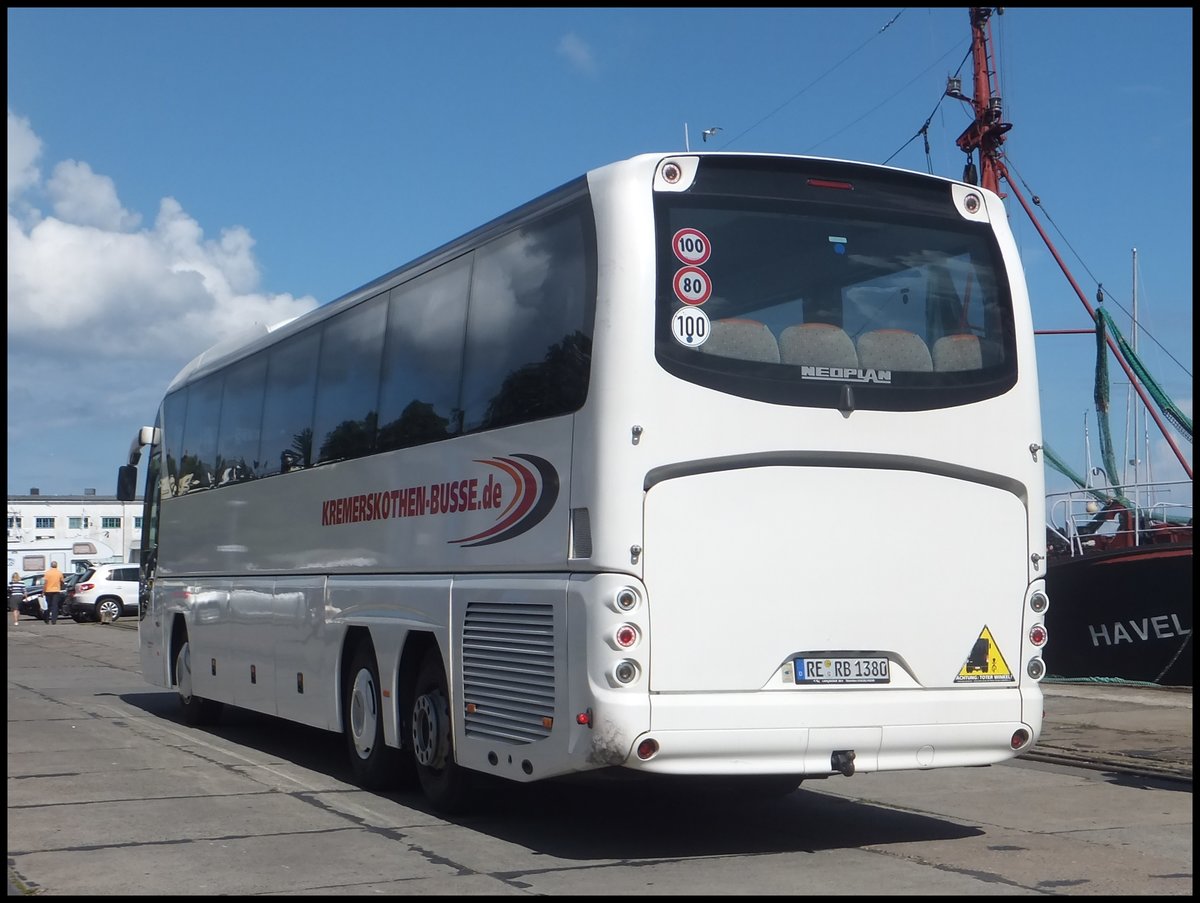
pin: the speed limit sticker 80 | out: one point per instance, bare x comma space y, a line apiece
692, 285
690, 326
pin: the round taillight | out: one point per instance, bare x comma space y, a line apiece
626, 635
671, 173
647, 749
1019, 738
1036, 668
1038, 602
1037, 635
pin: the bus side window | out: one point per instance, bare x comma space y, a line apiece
287, 410
198, 461
174, 412
529, 323
347, 406
418, 395
241, 416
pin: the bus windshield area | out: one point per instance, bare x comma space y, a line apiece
790, 298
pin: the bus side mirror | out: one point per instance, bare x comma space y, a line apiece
126, 483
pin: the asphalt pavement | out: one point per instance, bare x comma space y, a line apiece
1139, 730
1132, 728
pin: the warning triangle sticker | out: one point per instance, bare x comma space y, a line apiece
985, 662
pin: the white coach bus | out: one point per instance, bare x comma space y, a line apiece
701, 464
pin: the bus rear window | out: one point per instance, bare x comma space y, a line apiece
789, 291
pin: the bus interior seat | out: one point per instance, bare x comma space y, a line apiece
747, 340
817, 345
960, 351
894, 349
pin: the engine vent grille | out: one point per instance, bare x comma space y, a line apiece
508, 670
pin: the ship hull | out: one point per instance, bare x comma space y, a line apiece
1122, 614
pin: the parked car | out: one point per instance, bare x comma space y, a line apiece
32, 604
106, 592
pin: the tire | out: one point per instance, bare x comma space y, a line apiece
445, 783
79, 617
110, 606
375, 765
196, 710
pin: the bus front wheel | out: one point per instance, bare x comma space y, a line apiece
445, 784
372, 761
196, 710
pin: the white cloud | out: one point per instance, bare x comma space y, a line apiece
24, 148
103, 312
82, 197
577, 52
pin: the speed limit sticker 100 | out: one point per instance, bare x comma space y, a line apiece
690, 326
691, 246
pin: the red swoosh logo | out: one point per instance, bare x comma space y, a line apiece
527, 494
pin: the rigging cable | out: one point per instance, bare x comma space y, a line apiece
1037, 202
828, 71
924, 129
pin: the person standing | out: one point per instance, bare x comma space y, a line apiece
16, 593
52, 586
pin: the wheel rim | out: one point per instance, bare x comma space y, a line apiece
108, 607
429, 736
183, 673
364, 718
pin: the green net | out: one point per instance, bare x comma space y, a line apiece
1179, 420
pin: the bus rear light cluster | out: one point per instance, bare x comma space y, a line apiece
626, 672
626, 599
626, 636
1036, 668
1037, 635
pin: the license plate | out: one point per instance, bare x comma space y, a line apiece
844, 670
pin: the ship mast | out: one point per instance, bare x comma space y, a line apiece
986, 135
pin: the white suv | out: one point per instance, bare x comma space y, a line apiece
109, 592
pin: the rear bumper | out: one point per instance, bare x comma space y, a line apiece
778, 733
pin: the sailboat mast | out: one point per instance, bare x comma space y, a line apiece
1133, 334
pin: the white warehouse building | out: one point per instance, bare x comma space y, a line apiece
96, 528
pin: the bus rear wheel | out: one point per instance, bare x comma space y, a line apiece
196, 710
444, 782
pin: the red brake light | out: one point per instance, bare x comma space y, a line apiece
84, 587
830, 183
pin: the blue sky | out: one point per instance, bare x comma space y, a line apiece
174, 175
